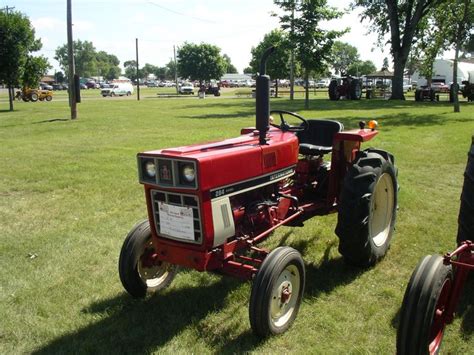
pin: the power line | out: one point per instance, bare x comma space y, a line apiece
7, 9
182, 14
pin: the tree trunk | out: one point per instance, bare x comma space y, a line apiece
276, 87
306, 89
399, 61
11, 97
455, 79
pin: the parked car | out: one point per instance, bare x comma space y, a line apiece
118, 89
44, 86
323, 83
151, 84
92, 85
186, 89
439, 87
59, 87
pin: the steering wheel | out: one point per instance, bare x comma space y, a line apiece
284, 126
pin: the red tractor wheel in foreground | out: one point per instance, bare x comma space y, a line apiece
138, 271
435, 287
421, 327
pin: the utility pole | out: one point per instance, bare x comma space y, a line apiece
175, 71
7, 9
292, 56
138, 78
70, 54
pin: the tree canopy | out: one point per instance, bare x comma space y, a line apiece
202, 62
311, 42
88, 61
230, 68
359, 68
278, 62
18, 67
400, 20
343, 56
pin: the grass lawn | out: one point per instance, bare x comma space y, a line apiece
69, 195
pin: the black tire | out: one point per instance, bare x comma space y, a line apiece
129, 93
432, 95
49, 98
112, 94
333, 91
421, 328
133, 274
272, 311
418, 95
34, 97
466, 211
355, 90
367, 208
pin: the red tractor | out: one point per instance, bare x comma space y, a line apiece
348, 87
210, 205
436, 284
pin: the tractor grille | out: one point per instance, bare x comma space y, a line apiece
180, 200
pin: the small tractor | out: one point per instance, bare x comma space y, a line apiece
34, 95
348, 87
436, 285
211, 205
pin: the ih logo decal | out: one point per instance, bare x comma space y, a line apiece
165, 173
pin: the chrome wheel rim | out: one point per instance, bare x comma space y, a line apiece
381, 210
285, 296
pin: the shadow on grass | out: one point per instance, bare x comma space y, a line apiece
54, 120
141, 326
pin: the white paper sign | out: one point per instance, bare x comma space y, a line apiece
176, 221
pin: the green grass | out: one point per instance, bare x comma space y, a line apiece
69, 195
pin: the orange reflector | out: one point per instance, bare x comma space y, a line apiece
373, 124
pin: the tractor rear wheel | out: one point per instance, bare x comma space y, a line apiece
466, 211
333, 91
277, 292
422, 315
367, 209
418, 95
355, 89
34, 97
137, 274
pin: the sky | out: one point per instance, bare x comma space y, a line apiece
235, 26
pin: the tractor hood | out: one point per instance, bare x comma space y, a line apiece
234, 160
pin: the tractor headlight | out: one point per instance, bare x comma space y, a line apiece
150, 168
188, 173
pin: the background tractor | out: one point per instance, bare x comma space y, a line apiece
211, 205
34, 95
348, 87
436, 285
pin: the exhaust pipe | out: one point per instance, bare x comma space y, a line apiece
262, 96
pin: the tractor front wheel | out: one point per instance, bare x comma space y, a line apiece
277, 292
138, 272
367, 209
49, 98
423, 311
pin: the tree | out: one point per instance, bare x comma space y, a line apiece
59, 77
344, 55
312, 43
278, 62
149, 69
385, 64
17, 42
201, 62
131, 70
249, 70
359, 68
400, 19
171, 70
230, 68
88, 61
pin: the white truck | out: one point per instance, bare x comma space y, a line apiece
117, 89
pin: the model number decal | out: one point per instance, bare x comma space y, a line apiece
251, 183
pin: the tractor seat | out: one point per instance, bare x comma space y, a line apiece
317, 138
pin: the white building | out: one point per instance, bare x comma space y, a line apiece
443, 71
